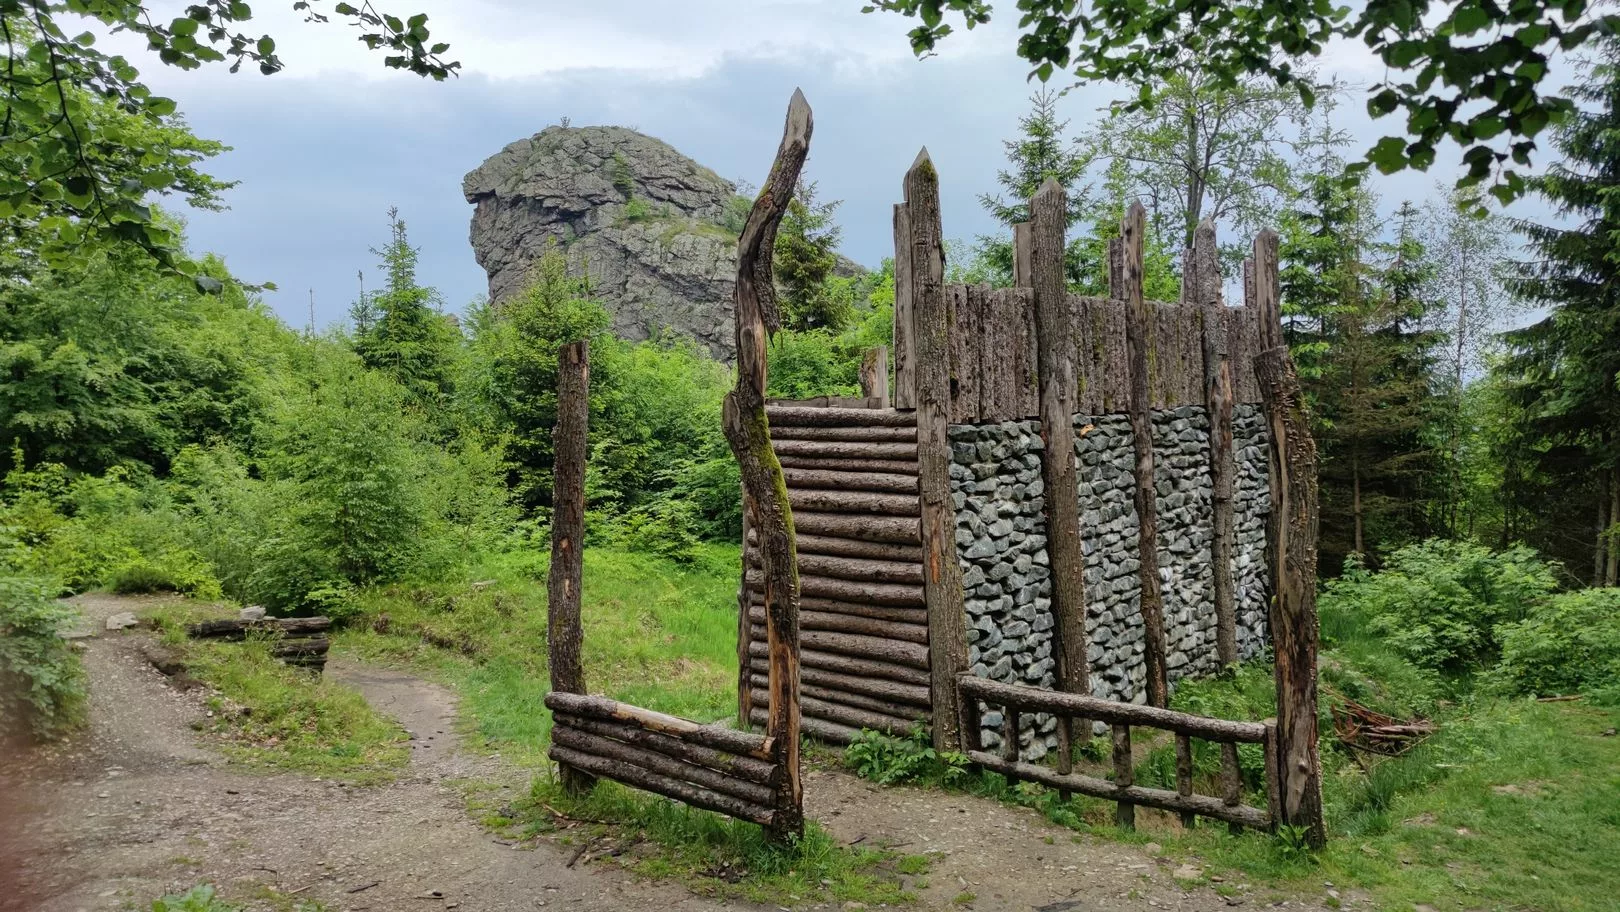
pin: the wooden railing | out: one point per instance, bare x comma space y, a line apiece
1016, 699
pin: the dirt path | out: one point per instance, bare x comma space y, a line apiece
138, 807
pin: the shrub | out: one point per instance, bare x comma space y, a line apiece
200, 898
41, 680
1568, 644
888, 760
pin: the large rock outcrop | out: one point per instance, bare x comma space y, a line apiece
656, 231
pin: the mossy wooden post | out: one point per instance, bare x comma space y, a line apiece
1054, 321
1292, 548
748, 432
1201, 288
905, 357
1023, 265
942, 574
565, 634
1139, 322
875, 374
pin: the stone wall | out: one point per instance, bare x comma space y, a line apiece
999, 496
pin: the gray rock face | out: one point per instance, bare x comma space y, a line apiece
647, 223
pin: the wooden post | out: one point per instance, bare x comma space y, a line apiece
1138, 342
1054, 329
748, 432
942, 573
1116, 268
1124, 775
905, 357
1023, 262
875, 373
565, 635
1184, 777
1292, 547
1201, 288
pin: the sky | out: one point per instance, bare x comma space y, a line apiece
324, 148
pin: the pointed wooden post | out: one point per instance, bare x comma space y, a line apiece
748, 432
905, 355
942, 574
1055, 355
565, 635
1138, 342
1201, 288
1291, 544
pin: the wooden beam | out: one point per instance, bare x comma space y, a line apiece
875, 373
1201, 289
1023, 268
1034, 699
685, 792
565, 635
743, 744
749, 768
817, 416
905, 357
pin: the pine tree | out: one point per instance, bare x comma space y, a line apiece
1039, 152
806, 255
410, 338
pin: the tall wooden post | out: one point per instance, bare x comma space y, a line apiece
905, 355
1023, 263
1292, 548
1054, 322
875, 374
565, 634
1138, 342
942, 574
748, 432
1201, 288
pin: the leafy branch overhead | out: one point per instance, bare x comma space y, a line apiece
82, 137
1470, 71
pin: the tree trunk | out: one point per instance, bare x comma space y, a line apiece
1612, 577
564, 632
1202, 289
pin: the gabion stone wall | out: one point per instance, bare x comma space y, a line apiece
1000, 534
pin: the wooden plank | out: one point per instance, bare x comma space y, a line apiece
859, 569
905, 358
1086, 375
995, 404
820, 729
1034, 699
834, 449
893, 691
1023, 273
1201, 290
942, 581
565, 635
881, 669
1231, 779
834, 606
859, 403
839, 464
852, 591
965, 326
864, 503
850, 623
1124, 776
833, 546
1184, 778
236, 629
847, 434
858, 718
741, 743
813, 416
875, 373
864, 702
685, 792
1139, 343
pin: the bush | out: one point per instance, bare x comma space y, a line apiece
1568, 644
41, 680
200, 898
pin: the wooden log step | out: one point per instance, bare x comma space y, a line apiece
850, 591
745, 744
803, 479
899, 652
237, 629
855, 568
307, 648
880, 669
856, 403
853, 700
833, 546
833, 606
829, 464
846, 434
800, 416
820, 729
1203, 805
686, 792
851, 717
826, 449
864, 503
661, 763
913, 695
848, 623
749, 768
1081, 706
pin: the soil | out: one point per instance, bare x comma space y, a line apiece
139, 805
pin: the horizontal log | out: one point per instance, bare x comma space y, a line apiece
863, 503
749, 768
853, 700
849, 716
847, 623
916, 695
746, 744
685, 792
820, 729
1086, 707
852, 403
1203, 805
865, 647
237, 629
827, 449
833, 606
850, 590
892, 529
302, 648
832, 546
855, 568
850, 434
800, 416
662, 764
828, 464
805, 479
882, 669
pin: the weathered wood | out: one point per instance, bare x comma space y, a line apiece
835, 449
1020, 306
827, 464
875, 373
747, 430
1184, 777
1127, 796
846, 434
1201, 289
1274, 802
857, 718
895, 529
1048, 221
942, 581
801, 479
1231, 779
859, 569
1139, 344
745, 703
850, 547
849, 623
1023, 269
996, 396
749, 768
237, 629
565, 635
685, 792
661, 763
857, 609
1034, 699
856, 664
913, 695
1011, 738
1116, 268
878, 648
1124, 775
308, 648
846, 590
864, 503
1292, 545
807, 416
863, 702
905, 357
965, 325
743, 744
820, 729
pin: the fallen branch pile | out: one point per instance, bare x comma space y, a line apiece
1374, 732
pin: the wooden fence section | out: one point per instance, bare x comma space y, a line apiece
994, 338
1016, 699
851, 477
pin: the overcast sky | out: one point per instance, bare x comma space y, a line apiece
323, 149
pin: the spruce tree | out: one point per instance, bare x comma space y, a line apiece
806, 255
1039, 152
409, 337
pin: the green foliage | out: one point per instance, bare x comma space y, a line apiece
406, 334
888, 760
1568, 644
637, 209
41, 680
806, 254
201, 898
